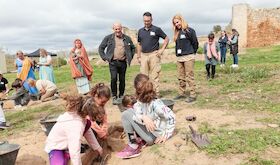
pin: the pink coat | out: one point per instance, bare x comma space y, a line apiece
67, 133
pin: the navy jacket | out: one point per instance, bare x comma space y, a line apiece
187, 42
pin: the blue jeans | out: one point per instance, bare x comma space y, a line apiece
235, 59
223, 54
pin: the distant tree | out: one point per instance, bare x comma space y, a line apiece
217, 28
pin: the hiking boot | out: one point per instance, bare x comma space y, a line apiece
190, 99
128, 152
178, 97
115, 100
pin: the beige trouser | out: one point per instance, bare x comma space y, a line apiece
185, 72
47, 96
150, 65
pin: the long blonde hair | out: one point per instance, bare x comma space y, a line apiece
184, 25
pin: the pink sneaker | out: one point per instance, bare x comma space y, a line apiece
129, 152
141, 143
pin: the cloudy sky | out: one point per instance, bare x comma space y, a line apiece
54, 24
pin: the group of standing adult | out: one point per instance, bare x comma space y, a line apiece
120, 50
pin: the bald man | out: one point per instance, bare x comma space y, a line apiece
119, 52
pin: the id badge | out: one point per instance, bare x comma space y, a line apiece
179, 51
182, 36
152, 33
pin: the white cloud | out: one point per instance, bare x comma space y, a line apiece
54, 24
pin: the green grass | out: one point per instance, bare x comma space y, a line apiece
259, 161
28, 119
241, 141
251, 87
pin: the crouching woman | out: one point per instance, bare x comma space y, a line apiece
64, 140
148, 122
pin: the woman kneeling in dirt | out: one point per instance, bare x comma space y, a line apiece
65, 136
149, 119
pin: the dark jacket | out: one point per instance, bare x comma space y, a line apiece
234, 45
109, 43
21, 97
223, 41
188, 43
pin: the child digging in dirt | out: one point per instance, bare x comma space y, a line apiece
100, 94
21, 96
128, 101
64, 139
153, 121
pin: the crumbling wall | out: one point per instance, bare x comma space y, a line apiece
263, 27
257, 27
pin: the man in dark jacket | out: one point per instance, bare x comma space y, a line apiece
119, 52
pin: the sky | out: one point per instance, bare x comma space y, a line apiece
54, 24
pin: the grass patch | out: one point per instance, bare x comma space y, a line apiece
28, 119
254, 74
258, 161
241, 141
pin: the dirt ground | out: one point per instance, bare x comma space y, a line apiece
32, 142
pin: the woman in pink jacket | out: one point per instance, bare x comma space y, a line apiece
64, 139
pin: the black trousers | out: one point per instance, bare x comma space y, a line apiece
117, 70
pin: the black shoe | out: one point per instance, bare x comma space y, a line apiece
179, 97
3, 125
115, 100
190, 99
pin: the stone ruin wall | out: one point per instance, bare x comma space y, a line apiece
263, 27
257, 27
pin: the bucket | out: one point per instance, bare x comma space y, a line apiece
8, 153
169, 103
48, 122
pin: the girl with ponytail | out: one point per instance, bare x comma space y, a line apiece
148, 122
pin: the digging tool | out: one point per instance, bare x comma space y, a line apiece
199, 140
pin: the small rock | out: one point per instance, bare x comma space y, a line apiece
177, 145
273, 125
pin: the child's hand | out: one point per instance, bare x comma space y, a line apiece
150, 125
100, 151
160, 139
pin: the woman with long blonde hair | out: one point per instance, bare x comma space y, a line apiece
186, 46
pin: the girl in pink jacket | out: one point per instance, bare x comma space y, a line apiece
64, 139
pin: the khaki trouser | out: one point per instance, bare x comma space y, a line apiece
185, 72
47, 96
150, 65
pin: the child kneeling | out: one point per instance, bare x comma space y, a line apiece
64, 140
